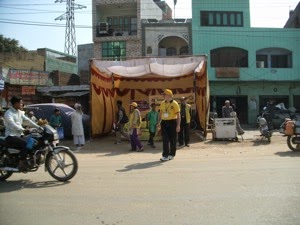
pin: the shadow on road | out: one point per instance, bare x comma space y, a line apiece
288, 154
222, 142
258, 142
139, 166
9, 186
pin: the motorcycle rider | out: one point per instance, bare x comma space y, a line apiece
14, 132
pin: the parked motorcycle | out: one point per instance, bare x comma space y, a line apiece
291, 129
59, 161
265, 126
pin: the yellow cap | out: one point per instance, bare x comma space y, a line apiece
133, 104
168, 92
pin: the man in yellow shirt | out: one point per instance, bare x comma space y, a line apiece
169, 118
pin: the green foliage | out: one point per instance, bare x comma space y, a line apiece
10, 45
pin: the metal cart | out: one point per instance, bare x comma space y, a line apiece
224, 129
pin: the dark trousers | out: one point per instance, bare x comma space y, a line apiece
169, 136
184, 134
18, 143
134, 140
151, 137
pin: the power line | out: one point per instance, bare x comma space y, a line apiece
33, 23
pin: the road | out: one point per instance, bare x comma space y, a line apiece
211, 183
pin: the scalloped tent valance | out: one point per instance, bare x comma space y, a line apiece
169, 67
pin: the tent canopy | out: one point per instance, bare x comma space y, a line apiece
168, 67
138, 79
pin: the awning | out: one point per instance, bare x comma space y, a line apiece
72, 94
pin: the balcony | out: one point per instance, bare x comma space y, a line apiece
104, 29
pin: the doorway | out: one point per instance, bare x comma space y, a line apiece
239, 103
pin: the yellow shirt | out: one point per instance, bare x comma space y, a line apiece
135, 119
169, 110
188, 113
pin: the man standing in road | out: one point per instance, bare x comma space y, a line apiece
77, 126
121, 120
185, 112
169, 118
135, 122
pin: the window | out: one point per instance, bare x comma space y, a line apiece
115, 50
229, 57
149, 50
220, 18
274, 58
133, 25
279, 61
261, 61
171, 51
184, 50
122, 24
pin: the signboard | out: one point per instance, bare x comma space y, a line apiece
227, 72
28, 90
157, 99
28, 77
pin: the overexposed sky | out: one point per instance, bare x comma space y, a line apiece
33, 24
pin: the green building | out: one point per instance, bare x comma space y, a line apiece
248, 66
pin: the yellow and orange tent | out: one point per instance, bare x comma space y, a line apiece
138, 79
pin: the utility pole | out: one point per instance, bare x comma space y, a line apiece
70, 36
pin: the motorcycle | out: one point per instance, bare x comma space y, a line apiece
265, 126
291, 129
59, 161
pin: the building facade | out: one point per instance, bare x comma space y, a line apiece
248, 66
121, 29
24, 72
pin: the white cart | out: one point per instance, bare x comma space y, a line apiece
224, 128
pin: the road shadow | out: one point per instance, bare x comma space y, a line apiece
10, 186
259, 141
140, 166
222, 142
288, 153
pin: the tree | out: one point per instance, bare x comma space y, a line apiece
10, 45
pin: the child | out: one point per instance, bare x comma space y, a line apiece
152, 119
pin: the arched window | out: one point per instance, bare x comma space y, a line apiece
149, 50
171, 51
229, 57
274, 58
184, 50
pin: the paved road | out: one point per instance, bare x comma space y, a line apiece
211, 183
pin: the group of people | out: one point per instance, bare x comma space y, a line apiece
17, 123
173, 120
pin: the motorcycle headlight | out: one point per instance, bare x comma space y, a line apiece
46, 142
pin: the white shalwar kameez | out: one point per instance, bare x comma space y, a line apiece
77, 128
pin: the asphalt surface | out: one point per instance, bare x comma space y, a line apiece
211, 182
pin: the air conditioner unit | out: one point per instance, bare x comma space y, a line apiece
103, 28
260, 64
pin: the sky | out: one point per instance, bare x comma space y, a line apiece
33, 24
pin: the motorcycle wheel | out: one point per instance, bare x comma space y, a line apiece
4, 174
62, 166
293, 146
